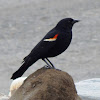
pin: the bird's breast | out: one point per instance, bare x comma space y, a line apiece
63, 41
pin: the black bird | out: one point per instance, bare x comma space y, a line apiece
54, 43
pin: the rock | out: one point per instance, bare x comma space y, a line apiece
47, 84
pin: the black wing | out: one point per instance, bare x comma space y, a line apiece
38, 52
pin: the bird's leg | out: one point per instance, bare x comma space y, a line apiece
48, 66
50, 63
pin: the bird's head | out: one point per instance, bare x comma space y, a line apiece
66, 24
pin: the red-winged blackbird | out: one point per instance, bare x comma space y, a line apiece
54, 43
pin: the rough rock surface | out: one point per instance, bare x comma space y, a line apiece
47, 84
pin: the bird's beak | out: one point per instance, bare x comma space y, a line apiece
75, 21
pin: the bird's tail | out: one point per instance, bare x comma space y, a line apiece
22, 69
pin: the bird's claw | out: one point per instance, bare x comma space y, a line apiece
47, 67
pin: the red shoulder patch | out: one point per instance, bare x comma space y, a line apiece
52, 39
55, 37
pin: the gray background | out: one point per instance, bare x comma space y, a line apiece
24, 22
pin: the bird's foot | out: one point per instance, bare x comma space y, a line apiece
47, 67
55, 68
58, 69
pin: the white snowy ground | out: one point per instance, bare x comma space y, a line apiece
89, 88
